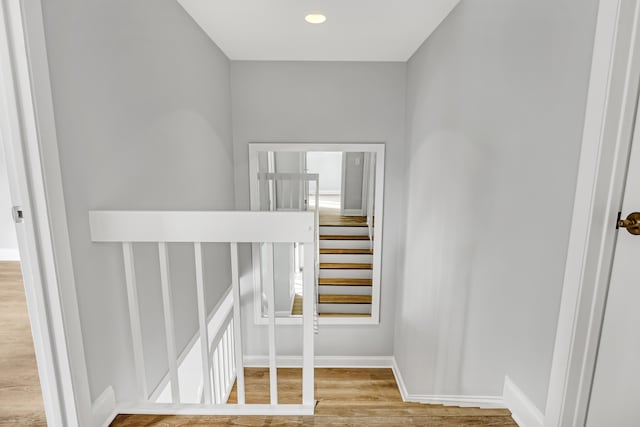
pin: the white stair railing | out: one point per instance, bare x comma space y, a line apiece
282, 186
163, 228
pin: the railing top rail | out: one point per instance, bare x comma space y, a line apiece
202, 226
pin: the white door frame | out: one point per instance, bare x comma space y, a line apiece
28, 135
609, 120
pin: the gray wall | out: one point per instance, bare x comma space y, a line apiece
282, 280
495, 106
142, 106
324, 102
353, 180
8, 240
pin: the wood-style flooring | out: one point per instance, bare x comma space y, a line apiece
296, 308
332, 217
20, 395
346, 397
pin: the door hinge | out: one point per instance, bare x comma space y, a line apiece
18, 214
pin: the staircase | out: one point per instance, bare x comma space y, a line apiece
346, 268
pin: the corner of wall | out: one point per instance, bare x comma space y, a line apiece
441, 399
523, 410
399, 381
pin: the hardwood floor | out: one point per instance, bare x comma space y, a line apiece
296, 308
346, 397
344, 281
332, 217
344, 299
342, 237
20, 395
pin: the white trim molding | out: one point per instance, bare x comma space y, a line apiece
523, 411
485, 402
256, 361
441, 399
219, 410
609, 118
399, 380
28, 130
104, 409
9, 255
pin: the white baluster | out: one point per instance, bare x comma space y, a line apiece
134, 321
237, 331
202, 318
217, 389
307, 325
167, 303
269, 290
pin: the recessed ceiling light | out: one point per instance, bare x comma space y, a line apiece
315, 18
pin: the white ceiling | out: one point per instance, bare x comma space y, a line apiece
356, 30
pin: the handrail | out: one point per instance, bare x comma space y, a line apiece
201, 226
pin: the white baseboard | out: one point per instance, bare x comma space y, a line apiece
442, 399
401, 385
523, 411
458, 400
252, 361
104, 408
9, 255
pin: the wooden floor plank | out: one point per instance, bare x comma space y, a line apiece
345, 251
343, 222
344, 299
345, 266
346, 397
347, 281
332, 217
296, 308
20, 395
343, 237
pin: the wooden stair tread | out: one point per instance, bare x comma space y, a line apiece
344, 299
345, 314
333, 281
345, 266
343, 237
334, 224
342, 221
346, 251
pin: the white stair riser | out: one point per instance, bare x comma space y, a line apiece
345, 244
347, 258
346, 273
344, 290
345, 231
344, 308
